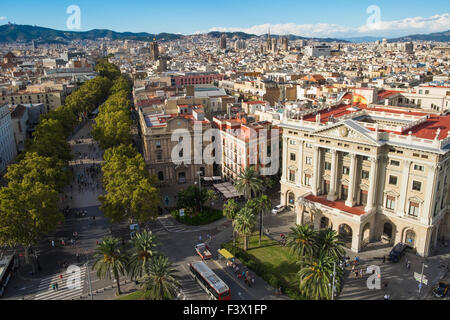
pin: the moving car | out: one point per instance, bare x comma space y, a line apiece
441, 290
397, 252
278, 209
203, 251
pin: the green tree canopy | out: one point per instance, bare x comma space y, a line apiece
50, 140
249, 183
193, 199
110, 261
160, 281
34, 168
112, 129
142, 253
244, 223
28, 211
131, 193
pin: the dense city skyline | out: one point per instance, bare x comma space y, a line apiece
318, 19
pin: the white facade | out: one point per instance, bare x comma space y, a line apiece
8, 149
318, 51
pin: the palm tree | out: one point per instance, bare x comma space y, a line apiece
302, 241
143, 251
329, 244
110, 260
159, 282
230, 210
249, 183
316, 278
264, 205
244, 224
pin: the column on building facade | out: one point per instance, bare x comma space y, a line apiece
430, 195
316, 171
351, 184
285, 157
404, 188
373, 180
300, 165
356, 242
332, 196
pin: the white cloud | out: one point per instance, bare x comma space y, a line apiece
436, 23
3, 18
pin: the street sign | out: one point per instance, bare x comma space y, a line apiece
418, 277
181, 212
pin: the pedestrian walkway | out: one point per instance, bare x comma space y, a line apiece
70, 287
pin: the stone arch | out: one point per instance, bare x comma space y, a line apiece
365, 235
325, 223
409, 237
346, 235
388, 232
290, 198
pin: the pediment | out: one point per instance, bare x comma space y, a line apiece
308, 171
392, 193
415, 199
364, 187
348, 130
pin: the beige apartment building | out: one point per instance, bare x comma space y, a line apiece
51, 99
157, 130
240, 144
370, 173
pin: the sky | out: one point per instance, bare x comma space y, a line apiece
319, 18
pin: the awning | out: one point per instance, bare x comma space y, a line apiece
225, 253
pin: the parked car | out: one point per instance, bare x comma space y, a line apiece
278, 209
441, 290
203, 251
397, 252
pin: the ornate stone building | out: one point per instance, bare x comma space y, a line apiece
370, 173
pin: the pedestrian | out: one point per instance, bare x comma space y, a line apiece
200, 239
78, 257
253, 280
53, 243
53, 286
361, 273
63, 242
384, 259
386, 285
356, 273
408, 264
56, 285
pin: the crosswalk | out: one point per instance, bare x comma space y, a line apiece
70, 287
172, 226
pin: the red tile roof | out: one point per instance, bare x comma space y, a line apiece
359, 211
387, 93
428, 129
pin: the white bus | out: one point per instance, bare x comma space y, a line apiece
7, 266
209, 281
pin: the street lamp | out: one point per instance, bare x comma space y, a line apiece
421, 277
200, 173
89, 274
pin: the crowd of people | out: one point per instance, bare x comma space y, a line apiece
244, 275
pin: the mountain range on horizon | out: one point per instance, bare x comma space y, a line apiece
26, 33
